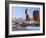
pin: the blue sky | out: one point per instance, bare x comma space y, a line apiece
19, 12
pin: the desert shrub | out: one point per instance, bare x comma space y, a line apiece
24, 24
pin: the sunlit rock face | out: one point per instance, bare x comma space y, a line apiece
36, 16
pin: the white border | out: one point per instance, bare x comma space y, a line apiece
25, 32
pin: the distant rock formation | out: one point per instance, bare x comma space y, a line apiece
27, 16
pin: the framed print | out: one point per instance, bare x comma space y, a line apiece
24, 18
